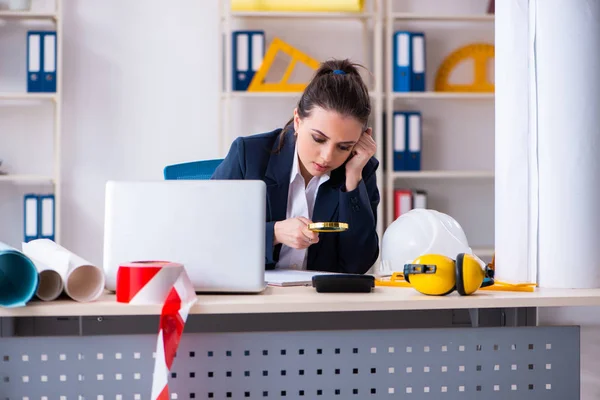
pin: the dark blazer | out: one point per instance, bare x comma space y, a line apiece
352, 251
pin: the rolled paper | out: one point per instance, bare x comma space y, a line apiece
18, 277
82, 280
51, 284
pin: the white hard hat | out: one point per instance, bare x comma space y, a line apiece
417, 232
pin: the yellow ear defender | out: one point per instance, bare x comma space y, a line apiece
438, 275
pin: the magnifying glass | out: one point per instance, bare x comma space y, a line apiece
328, 226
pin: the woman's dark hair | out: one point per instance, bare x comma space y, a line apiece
336, 86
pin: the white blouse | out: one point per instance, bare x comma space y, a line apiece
301, 203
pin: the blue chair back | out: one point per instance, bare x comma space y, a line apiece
195, 170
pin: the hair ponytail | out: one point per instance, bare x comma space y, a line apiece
336, 86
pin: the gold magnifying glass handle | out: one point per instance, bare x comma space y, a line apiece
328, 226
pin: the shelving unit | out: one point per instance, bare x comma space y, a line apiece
393, 100
371, 19
17, 98
378, 25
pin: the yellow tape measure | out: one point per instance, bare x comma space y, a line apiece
480, 53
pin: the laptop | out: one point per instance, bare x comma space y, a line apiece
215, 228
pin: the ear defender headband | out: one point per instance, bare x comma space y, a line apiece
338, 72
439, 275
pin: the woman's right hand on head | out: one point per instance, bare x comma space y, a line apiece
294, 233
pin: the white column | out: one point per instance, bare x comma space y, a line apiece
548, 142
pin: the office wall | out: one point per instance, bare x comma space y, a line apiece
139, 93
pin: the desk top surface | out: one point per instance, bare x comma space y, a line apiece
306, 299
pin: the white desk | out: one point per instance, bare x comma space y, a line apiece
356, 358
306, 300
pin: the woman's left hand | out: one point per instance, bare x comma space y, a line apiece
363, 150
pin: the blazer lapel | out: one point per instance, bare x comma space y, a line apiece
277, 177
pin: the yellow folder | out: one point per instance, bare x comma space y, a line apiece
298, 6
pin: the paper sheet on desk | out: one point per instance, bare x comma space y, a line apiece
291, 277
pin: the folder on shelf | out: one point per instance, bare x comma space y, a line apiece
414, 139
419, 198
41, 61
34, 61
417, 73
49, 63
408, 199
402, 61
400, 139
248, 50
30, 217
46, 216
409, 61
403, 202
39, 217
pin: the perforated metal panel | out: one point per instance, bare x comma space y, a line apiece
487, 363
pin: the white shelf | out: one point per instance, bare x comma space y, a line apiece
395, 95
244, 94
27, 96
443, 174
27, 178
443, 95
446, 18
382, 19
28, 15
300, 15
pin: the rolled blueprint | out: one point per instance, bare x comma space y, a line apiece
82, 280
547, 63
18, 277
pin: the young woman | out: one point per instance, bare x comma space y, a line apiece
319, 167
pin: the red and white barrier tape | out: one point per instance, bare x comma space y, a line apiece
166, 283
